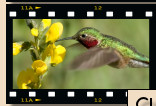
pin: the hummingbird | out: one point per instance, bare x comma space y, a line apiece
105, 50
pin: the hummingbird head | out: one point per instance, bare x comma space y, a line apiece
86, 36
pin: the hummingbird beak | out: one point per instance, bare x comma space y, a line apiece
68, 38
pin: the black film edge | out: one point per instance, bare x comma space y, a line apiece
73, 11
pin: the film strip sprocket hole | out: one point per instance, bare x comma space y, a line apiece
72, 11
69, 94
72, 96
88, 14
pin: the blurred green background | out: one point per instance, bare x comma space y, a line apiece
133, 31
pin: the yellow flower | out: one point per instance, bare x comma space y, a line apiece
57, 53
34, 32
46, 23
54, 32
27, 79
39, 66
16, 48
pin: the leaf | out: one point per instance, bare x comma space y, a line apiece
31, 24
42, 31
33, 55
47, 60
42, 44
26, 46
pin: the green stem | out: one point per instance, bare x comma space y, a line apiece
37, 47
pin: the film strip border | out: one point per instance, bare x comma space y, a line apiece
81, 11
73, 11
72, 14
72, 96
77, 1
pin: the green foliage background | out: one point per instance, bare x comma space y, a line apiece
132, 31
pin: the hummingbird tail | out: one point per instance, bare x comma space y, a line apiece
138, 64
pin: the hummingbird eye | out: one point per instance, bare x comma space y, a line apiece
83, 35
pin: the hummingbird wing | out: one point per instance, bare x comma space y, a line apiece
94, 57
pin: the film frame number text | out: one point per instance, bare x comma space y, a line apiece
26, 8
97, 7
24, 100
97, 99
